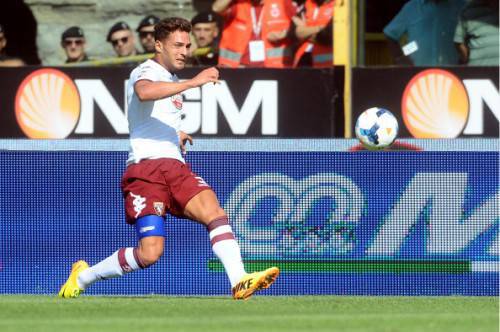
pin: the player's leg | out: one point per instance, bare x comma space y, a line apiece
151, 237
150, 233
145, 199
204, 207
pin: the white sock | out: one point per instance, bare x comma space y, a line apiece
122, 261
226, 249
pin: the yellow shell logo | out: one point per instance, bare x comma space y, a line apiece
47, 104
435, 105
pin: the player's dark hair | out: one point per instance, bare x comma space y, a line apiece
168, 25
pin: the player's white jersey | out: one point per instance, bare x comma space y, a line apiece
153, 125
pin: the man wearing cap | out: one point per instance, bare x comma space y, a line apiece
146, 31
5, 60
73, 43
122, 39
205, 32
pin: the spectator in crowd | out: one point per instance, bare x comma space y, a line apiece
73, 43
314, 30
205, 32
146, 31
122, 39
477, 34
5, 60
256, 33
429, 27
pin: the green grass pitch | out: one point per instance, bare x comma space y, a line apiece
260, 313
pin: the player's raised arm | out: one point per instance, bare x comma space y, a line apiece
147, 90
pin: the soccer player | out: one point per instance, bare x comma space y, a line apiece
157, 180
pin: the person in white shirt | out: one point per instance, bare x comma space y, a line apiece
158, 181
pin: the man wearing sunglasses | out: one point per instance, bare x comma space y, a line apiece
73, 43
122, 39
146, 31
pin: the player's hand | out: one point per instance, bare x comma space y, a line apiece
183, 139
207, 75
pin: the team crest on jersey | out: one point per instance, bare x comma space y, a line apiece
159, 208
177, 101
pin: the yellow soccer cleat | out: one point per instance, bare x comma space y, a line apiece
70, 288
253, 282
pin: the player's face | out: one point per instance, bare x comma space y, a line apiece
204, 33
173, 50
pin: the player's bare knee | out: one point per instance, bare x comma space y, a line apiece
214, 213
150, 255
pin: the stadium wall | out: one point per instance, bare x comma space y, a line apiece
422, 220
95, 17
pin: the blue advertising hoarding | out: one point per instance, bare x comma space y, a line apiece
335, 222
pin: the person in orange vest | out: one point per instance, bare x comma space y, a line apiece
256, 33
313, 27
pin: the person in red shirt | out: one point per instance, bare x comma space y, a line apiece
256, 33
313, 28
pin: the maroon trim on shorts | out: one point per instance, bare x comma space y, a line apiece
222, 237
221, 221
138, 260
123, 261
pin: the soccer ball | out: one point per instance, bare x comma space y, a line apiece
376, 128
